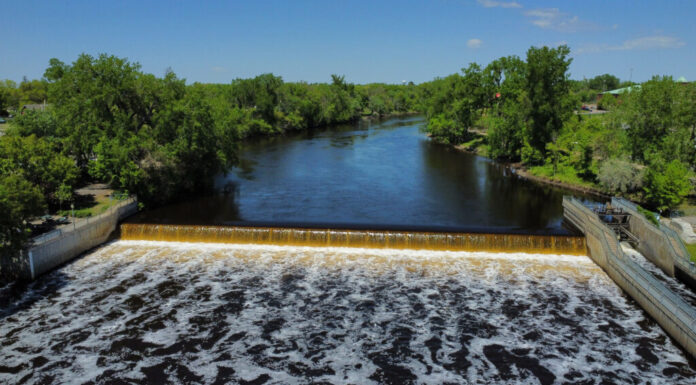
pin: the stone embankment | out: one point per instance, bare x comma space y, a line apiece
674, 314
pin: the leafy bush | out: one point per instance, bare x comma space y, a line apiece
666, 185
618, 175
607, 102
446, 130
649, 215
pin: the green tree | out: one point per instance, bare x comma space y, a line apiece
39, 162
548, 90
649, 115
666, 184
604, 82
510, 106
20, 200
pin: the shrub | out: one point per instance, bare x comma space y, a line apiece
618, 175
666, 185
649, 215
607, 102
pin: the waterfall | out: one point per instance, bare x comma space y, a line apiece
551, 244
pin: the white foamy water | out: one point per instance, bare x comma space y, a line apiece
144, 312
673, 284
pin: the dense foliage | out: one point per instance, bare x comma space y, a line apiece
156, 137
13, 96
644, 147
162, 139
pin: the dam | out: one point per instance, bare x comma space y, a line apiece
261, 305
492, 288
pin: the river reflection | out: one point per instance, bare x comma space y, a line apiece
384, 174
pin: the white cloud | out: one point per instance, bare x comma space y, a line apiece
501, 4
553, 18
219, 69
642, 43
474, 43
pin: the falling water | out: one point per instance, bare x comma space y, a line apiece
552, 244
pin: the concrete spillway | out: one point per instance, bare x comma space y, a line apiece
539, 244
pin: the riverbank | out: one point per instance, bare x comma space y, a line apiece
525, 173
476, 147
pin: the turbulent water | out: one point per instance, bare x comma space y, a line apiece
672, 284
144, 312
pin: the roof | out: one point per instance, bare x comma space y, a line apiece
620, 91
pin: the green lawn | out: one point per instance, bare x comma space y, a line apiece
101, 205
692, 250
564, 173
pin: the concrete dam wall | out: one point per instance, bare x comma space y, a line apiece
675, 316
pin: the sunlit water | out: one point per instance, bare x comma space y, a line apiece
371, 174
144, 312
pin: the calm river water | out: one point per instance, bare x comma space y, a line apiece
384, 174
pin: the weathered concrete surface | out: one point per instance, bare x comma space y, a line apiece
681, 227
660, 245
675, 316
60, 246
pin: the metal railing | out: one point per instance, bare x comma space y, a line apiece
676, 246
80, 223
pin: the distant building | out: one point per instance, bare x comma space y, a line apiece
34, 107
617, 92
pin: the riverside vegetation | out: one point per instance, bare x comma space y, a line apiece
155, 137
163, 139
523, 111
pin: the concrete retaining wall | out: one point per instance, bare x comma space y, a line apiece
59, 246
661, 245
675, 316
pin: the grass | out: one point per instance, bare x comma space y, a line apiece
688, 207
476, 145
564, 173
649, 215
692, 250
100, 205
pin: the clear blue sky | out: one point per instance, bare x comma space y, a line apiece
368, 41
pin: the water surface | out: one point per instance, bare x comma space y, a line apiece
149, 312
385, 174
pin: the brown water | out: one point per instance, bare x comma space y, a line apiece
548, 244
167, 312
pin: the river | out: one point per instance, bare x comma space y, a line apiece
372, 174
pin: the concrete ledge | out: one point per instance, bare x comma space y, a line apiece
59, 246
675, 316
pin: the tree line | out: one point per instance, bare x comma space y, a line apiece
163, 139
156, 137
527, 111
